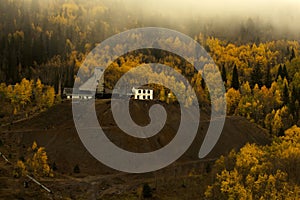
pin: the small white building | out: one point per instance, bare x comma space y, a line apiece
142, 93
70, 93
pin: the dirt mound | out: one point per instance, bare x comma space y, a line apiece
54, 129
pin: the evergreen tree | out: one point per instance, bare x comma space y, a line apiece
76, 169
224, 77
268, 79
279, 72
284, 73
292, 105
256, 76
54, 167
235, 79
147, 191
293, 54
286, 94
203, 85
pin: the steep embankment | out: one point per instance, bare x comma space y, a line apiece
54, 129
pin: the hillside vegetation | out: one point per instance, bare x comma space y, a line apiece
43, 44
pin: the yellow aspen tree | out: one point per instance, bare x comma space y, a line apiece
233, 98
162, 95
38, 92
26, 92
49, 97
37, 163
277, 124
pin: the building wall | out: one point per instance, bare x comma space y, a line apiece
143, 94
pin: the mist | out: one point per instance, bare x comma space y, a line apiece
277, 9
282, 15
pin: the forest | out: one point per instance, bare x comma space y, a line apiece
44, 43
49, 40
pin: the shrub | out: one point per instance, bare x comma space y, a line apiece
147, 191
76, 169
54, 167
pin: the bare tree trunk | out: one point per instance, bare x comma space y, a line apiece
59, 86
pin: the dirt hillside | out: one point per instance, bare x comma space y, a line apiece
54, 129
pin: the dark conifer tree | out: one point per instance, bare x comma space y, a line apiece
256, 77
268, 79
279, 72
284, 73
203, 85
293, 55
224, 77
292, 104
286, 97
235, 79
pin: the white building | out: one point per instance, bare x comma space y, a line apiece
87, 90
95, 82
142, 93
70, 93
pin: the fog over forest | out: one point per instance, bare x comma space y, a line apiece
277, 19
282, 16
48, 47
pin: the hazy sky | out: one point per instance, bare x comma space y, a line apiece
282, 13
247, 7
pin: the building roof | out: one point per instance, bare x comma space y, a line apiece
92, 83
144, 87
75, 91
68, 91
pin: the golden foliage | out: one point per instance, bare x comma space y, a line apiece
260, 172
233, 98
20, 169
37, 163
